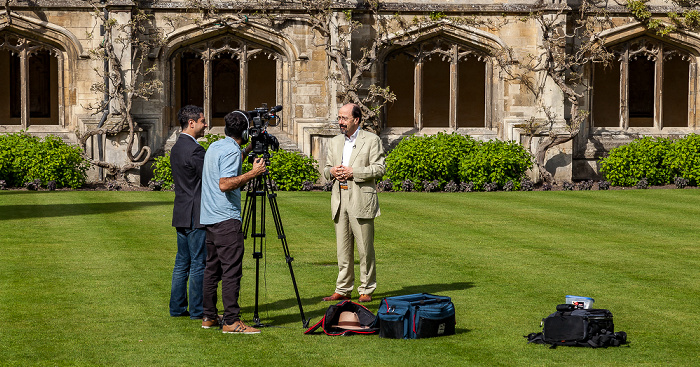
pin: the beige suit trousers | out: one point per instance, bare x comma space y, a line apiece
361, 231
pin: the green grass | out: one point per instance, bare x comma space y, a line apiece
85, 278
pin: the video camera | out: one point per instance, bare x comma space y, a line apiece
260, 139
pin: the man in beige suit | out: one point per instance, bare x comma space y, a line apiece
355, 162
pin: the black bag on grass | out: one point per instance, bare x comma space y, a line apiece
579, 327
346, 318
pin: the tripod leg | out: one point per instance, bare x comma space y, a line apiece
272, 198
256, 315
251, 203
248, 207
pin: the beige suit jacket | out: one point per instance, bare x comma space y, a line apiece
367, 162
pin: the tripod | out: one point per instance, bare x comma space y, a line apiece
261, 186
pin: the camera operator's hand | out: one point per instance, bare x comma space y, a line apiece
259, 167
231, 183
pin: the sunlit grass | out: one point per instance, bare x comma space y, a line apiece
85, 278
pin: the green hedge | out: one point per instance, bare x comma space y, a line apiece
25, 158
645, 158
162, 171
428, 158
658, 160
684, 158
289, 170
445, 158
495, 161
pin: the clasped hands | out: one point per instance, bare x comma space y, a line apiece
341, 173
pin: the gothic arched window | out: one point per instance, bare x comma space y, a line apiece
438, 83
29, 82
224, 74
647, 86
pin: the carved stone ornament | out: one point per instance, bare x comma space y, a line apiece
228, 45
447, 50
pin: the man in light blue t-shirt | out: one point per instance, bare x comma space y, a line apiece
221, 215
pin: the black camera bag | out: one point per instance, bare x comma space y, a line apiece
579, 327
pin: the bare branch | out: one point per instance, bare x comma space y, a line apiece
124, 44
8, 12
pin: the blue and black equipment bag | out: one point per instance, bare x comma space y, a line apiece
416, 316
579, 327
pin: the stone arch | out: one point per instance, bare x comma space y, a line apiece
459, 45
474, 37
244, 43
657, 81
257, 33
25, 37
44, 32
680, 38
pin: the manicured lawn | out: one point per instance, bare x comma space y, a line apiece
85, 278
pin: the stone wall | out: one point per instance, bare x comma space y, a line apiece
304, 80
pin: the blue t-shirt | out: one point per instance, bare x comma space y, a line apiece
223, 159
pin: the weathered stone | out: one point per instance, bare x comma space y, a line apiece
304, 74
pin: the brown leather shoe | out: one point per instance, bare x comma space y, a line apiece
208, 323
365, 298
336, 297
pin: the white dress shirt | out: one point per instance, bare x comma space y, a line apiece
349, 146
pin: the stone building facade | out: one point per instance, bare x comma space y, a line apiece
443, 72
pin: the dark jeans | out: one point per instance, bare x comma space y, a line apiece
224, 263
189, 264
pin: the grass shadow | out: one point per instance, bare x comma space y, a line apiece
430, 288
295, 316
10, 212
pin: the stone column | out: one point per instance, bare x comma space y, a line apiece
24, 86
243, 69
207, 86
658, 87
624, 82
454, 89
418, 95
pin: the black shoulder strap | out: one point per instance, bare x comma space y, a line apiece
608, 339
537, 338
316, 326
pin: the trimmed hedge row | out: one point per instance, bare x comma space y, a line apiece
657, 161
290, 171
437, 162
432, 163
50, 162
